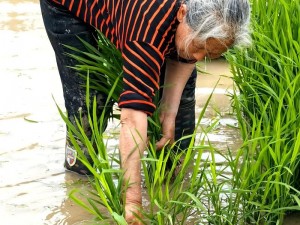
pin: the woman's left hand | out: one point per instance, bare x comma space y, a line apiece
168, 129
177, 74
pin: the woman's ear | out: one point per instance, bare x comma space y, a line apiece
181, 12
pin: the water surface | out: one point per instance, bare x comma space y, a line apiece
34, 186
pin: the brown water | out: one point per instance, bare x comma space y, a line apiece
34, 186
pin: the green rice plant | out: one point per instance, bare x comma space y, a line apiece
267, 105
193, 193
257, 185
105, 60
107, 193
197, 193
195, 190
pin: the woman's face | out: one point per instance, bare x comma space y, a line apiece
196, 50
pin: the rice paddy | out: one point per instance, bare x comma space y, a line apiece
255, 184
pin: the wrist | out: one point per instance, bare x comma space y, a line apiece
168, 108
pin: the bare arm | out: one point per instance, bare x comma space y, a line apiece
133, 134
177, 75
133, 138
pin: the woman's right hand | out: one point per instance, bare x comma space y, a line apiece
132, 211
133, 138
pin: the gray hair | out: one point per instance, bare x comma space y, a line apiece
220, 19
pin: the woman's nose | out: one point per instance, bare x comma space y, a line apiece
199, 55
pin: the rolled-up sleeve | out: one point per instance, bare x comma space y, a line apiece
141, 69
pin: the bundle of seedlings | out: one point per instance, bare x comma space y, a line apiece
266, 102
170, 199
202, 192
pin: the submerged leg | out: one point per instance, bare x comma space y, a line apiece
64, 29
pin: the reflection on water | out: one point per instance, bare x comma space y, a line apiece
68, 212
34, 187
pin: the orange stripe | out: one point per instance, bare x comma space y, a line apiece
109, 13
161, 22
120, 22
126, 92
71, 5
113, 10
107, 32
112, 35
91, 11
143, 19
86, 10
151, 21
137, 101
118, 45
96, 19
129, 21
135, 88
107, 5
142, 60
167, 49
135, 22
150, 56
63, 2
143, 72
79, 8
108, 19
113, 31
101, 26
123, 28
138, 79
162, 40
103, 7
103, 21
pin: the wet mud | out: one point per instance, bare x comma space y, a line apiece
34, 186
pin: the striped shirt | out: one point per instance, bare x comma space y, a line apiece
144, 32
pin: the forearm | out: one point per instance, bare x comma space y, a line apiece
177, 75
133, 138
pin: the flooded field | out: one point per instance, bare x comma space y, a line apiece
34, 186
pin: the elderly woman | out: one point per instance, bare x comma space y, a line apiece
160, 41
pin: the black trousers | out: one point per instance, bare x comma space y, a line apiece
62, 29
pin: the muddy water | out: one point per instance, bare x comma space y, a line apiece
34, 186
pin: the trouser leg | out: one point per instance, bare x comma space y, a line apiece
64, 29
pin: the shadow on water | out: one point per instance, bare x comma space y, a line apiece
33, 184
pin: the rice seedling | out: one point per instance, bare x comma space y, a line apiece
192, 193
257, 185
199, 193
267, 79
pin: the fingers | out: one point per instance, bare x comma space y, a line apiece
163, 142
132, 211
168, 130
